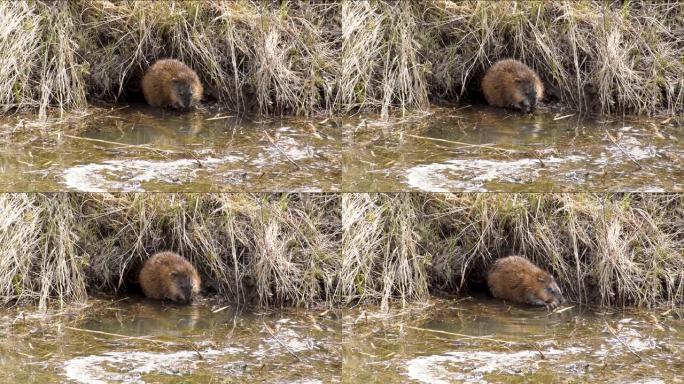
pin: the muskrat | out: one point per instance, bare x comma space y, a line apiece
169, 276
170, 83
512, 84
517, 279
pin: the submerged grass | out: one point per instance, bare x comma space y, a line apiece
339, 57
607, 249
267, 249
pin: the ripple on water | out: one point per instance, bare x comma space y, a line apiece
130, 175
471, 175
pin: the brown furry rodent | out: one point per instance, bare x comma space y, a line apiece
168, 276
516, 279
170, 83
512, 84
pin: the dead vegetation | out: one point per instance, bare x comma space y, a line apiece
339, 57
265, 249
608, 249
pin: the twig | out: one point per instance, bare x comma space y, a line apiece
115, 335
457, 334
281, 343
560, 310
117, 143
623, 150
220, 309
610, 329
219, 117
461, 143
563, 117
281, 150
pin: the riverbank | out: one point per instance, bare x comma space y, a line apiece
265, 249
603, 249
342, 57
340, 250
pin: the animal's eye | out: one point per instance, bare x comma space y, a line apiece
174, 273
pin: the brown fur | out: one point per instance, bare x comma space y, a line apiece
516, 279
512, 84
170, 83
168, 276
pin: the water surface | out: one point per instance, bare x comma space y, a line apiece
136, 341
137, 148
486, 341
478, 148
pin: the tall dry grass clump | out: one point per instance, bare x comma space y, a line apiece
381, 255
611, 57
342, 56
40, 65
252, 248
618, 249
380, 62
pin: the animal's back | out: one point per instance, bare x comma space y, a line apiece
512, 84
170, 83
516, 279
169, 276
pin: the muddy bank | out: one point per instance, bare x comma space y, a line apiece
301, 57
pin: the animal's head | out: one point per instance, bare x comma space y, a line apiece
548, 291
182, 94
525, 93
185, 284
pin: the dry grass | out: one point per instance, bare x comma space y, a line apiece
381, 257
339, 57
307, 249
603, 249
263, 248
620, 57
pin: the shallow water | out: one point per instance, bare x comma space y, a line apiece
144, 149
486, 341
477, 340
479, 148
137, 341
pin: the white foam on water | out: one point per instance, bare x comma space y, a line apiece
288, 145
615, 154
471, 175
128, 175
286, 339
471, 366
129, 366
